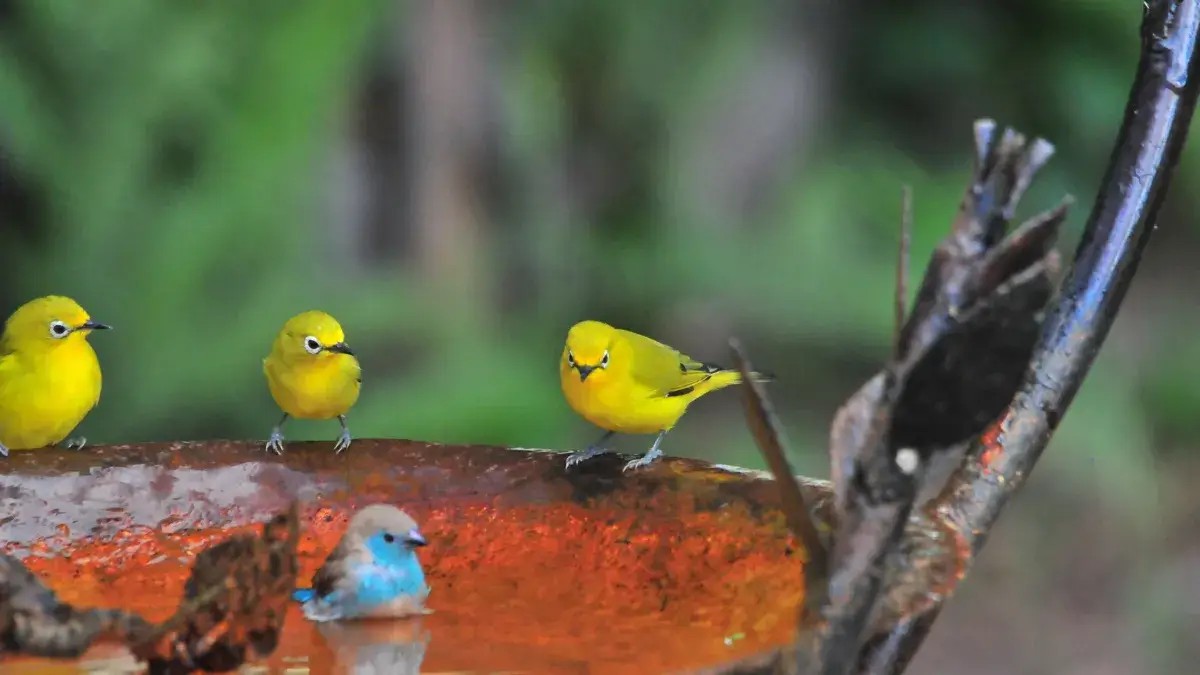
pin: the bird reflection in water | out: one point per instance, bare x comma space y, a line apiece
376, 647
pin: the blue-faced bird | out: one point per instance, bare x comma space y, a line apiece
372, 572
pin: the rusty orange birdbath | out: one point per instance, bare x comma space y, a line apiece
532, 568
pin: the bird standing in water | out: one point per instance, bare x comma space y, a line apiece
628, 383
312, 374
49, 374
373, 571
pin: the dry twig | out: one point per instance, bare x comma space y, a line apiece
974, 354
233, 609
1159, 111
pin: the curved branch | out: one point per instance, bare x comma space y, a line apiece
1148, 146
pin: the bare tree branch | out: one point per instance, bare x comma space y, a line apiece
768, 433
901, 299
958, 362
961, 355
233, 609
769, 436
1158, 113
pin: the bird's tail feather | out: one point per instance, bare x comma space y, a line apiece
729, 377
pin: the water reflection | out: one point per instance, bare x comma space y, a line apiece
105, 501
536, 570
377, 647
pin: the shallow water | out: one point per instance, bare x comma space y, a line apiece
523, 579
531, 589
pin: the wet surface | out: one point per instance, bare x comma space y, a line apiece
532, 568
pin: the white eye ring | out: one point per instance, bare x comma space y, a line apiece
604, 359
312, 345
570, 358
59, 330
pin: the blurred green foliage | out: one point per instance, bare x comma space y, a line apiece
166, 166
690, 170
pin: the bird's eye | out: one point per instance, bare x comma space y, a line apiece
570, 358
59, 330
604, 359
389, 538
312, 345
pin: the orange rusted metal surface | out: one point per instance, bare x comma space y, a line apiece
532, 568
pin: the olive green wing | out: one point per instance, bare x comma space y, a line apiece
663, 369
8, 368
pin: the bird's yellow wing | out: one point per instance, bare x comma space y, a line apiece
8, 368
662, 369
8, 360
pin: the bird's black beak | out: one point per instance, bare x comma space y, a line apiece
584, 371
414, 538
94, 325
340, 348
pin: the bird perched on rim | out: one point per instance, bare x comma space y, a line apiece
49, 374
372, 572
312, 374
628, 383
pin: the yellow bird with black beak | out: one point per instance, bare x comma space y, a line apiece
628, 383
312, 374
49, 374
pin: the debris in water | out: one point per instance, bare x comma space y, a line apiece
233, 609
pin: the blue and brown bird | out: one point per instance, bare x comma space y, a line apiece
372, 572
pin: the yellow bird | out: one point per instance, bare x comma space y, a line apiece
627, 383
312, 374
49, 374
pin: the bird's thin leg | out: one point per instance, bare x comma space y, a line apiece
3, 450
654, 453
275, 443
76, 443
594, 449
343, 441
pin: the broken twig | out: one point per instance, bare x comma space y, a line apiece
234, 602
902, 258
960, 356
233, 609
1159, 110
768, 434
958, 361
33, 622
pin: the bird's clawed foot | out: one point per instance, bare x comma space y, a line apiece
275, 443
584, 455
594, 449
344, 439
651, 455
76, 443
343, 442
645, 460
